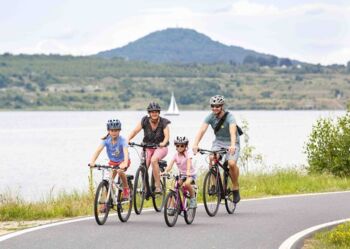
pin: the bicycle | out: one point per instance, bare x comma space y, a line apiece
143, 190
107, 197
214, 188
177, 202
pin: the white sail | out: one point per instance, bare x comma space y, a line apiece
173, 109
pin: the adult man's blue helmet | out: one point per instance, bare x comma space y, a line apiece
114, 124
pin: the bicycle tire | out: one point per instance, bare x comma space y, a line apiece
139, 190
124, 208
102, 203
211, 197
158, 199
229, 204
190, 213
171, 213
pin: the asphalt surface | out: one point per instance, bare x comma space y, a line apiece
261, 223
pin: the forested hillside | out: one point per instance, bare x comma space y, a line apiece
40, 82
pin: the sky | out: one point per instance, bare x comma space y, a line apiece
310, 31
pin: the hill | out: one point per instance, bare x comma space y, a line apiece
186, 46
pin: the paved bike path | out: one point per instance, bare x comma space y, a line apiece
260, 223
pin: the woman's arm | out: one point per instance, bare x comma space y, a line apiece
137, 129
166, 137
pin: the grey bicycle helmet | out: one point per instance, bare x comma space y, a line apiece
217, 100
114, 124
153, 106
181, 140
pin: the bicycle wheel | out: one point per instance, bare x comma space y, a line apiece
102, 203
229, 204
139, 190
171, 209
190, 213
158, 199
211, 194
124, 207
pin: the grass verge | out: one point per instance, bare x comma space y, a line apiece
65, 205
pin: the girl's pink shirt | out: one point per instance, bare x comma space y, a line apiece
181, 162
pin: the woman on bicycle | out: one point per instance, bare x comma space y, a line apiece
183, 160
156, 131
117, 151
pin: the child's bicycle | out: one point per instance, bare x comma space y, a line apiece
109, 195
178, 201
214, 187
143, 189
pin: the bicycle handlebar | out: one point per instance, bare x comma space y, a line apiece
99, 166
144, 145
220, 151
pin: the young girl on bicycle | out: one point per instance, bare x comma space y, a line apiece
183, 160
117, 151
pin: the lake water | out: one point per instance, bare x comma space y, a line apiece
48, 151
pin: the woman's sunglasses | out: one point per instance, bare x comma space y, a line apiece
215, 106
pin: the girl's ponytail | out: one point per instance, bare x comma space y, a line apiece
105, 137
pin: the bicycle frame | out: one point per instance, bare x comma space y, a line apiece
179, 200
215, 169
113, 187
149, 192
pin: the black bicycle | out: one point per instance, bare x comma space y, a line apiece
143, 190
214, 187
109, 195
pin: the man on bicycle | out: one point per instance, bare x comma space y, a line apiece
226, 136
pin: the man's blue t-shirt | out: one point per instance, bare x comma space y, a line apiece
115, 151
224, 133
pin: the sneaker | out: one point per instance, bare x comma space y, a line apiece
103, 208
236, 196
212, 190
126, 194
193, 202
158, 191
171, 211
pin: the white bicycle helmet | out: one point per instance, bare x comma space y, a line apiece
181, 140
217, 100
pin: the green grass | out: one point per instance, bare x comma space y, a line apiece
76, 203
337, 238
63, 206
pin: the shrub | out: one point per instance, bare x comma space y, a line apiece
328, 148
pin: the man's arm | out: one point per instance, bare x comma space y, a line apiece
199, 136
233, 132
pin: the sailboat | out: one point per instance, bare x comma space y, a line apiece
172, 110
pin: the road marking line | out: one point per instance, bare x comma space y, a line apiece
18, 233
292, 241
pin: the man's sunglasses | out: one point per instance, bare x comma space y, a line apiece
215, 106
